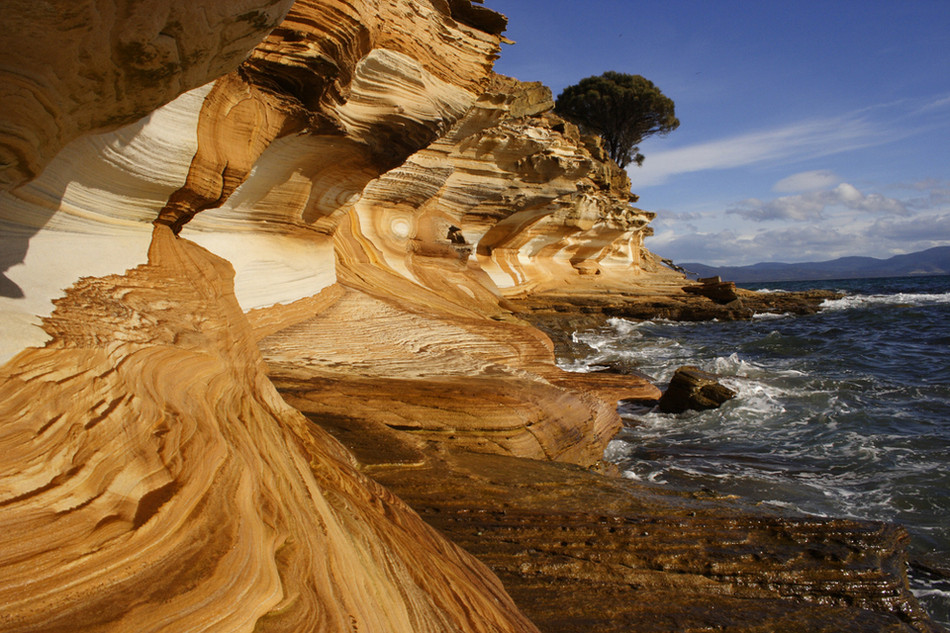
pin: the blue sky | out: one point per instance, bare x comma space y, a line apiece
809, 130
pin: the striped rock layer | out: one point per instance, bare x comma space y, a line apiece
222, 222
153, 478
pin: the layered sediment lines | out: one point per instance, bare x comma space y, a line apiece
303, 270
521, 192
614, 555
153, 480
68, 68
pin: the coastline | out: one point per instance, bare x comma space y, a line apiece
580, 548
840, 414
559, 313
267, 296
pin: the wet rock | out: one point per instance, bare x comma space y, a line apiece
579, 551
722, 292
588, 305
693, 388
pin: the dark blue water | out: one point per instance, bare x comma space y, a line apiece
845, 413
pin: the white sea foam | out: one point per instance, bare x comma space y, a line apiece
863, 301
808, 432
758, 399
731, 365
578, 366
623, 327
616, 450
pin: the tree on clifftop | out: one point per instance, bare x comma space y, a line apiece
623, 109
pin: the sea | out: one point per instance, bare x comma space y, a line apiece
845, 413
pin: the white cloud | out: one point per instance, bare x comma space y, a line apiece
806, 181
937, 197
816, 204
707, 248
680, 216
936, 104
875, 237
927, 184
923, 230
805, 207
727, 248
820, 137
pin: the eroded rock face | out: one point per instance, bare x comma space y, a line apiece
384, 78
72, 67
153, 480
519, 191
434, 375
283, 182
356, 205
344, 88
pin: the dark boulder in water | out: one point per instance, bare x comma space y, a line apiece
693, 388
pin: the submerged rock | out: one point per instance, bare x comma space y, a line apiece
693, 388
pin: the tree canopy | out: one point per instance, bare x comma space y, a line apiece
623, 109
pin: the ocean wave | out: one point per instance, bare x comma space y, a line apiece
901, 298
579, 366
617, 450
623, 327
732, 365
759, 400
840, 414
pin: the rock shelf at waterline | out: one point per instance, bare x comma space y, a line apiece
263, 272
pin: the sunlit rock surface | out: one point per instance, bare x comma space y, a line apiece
331, 86
336, 239
521, 192
153, 480
89, 213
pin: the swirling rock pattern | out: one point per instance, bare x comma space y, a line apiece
345, 216
153, 480
70, 67
520, 191
387, 77
469, 381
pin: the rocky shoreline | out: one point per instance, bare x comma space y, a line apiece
559, 313
603, 554
582, 549
267, 365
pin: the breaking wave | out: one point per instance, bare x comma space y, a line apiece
844, 413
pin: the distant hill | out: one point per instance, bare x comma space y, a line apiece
933, 261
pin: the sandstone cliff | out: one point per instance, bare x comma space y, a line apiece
225, 243
72, 67
153, 478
